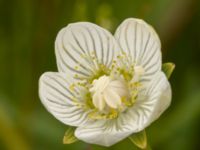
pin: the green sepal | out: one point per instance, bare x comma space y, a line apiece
139, 139
69, 136
168, 68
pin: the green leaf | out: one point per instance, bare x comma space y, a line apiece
168, 68
139, 139
69, 137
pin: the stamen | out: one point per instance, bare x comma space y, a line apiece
110, 91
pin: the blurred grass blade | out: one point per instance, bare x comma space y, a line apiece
139, 139
168, 68
69, 137
10, 136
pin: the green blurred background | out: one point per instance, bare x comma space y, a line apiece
27, 33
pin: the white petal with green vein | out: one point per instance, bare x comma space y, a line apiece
151, 103
84, 46
55, 94
140, 41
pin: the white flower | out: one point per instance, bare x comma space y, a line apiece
109, 87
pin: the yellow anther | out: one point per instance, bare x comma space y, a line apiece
76, 67
76, 76
126, 102
72, 86
113, 114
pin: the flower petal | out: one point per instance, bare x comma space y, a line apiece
151, 103
82, 47
141, 44
160, 94
59, 100
105, 133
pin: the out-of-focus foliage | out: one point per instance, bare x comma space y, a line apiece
27, 32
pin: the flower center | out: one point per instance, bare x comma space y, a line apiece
110, 91
107, 93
